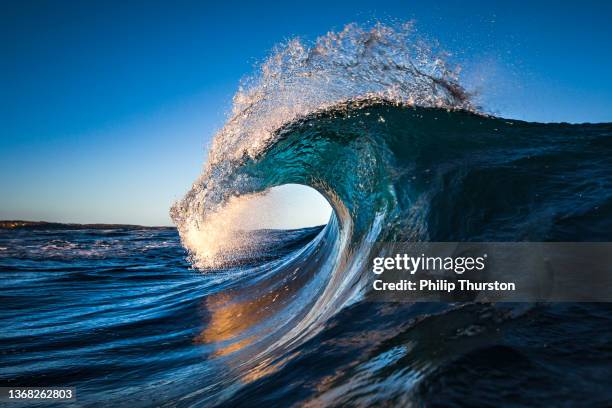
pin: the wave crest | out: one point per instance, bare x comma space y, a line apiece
299, 78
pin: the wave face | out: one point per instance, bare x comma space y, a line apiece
397, 173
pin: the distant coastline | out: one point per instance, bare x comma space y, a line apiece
21, 224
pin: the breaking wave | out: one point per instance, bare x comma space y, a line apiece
377, 122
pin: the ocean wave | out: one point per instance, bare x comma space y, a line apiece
377, 123
355, 65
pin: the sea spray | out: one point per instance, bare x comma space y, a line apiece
380, 62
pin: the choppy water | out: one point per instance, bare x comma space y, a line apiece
120, 315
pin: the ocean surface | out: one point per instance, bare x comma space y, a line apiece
120, 315
210, 315
123, 316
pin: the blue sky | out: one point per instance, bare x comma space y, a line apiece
107, 108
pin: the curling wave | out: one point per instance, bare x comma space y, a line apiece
355, 65
379, 125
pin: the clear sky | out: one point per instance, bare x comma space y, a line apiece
107, 107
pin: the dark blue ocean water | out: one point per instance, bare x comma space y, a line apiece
120, 315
